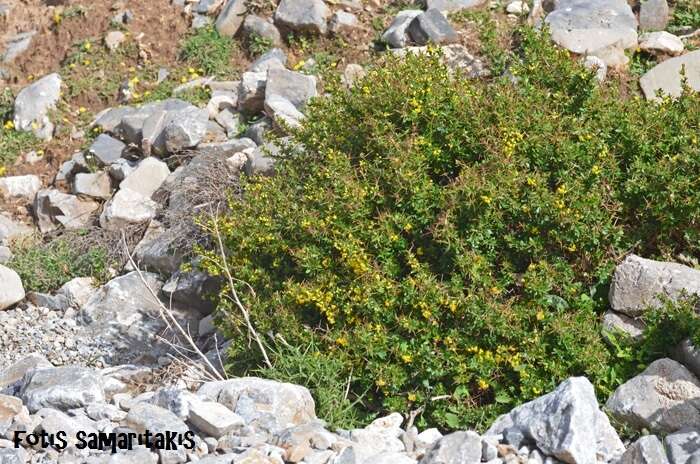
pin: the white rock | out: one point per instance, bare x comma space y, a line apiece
666, 76
661, 42
517, 7
664, 398
53, 208
214, 419
147, 177
20, 187
572, 410
34, 102
94, 184
127, 208
11, 289
62, 388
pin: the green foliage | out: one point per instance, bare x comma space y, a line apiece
44, 267
447, 243
208, 50
12, 143
258, 45
308, 365
686, 14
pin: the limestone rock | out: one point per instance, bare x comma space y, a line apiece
396, 34
593, 27
455, 448
613, 322
431, 26
343, 22
653, 15
308, 16
147, 177
639, 284
106, 149
666, 77
186, 128
688, 354
127, 208
20, 187
62, 388
259, 400
231, 17
664, 398
144, 416
646, 450
292, 86
53, 208
95, 185
661, 42
34, 102
572, 410
214, 419
683, 447
251, 93
11, 229
272, 59
256, 26
11, 288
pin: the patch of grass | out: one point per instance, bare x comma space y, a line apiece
12, 143
44, 267
208, 50
686, 14
641, 63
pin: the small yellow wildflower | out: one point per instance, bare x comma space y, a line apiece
380, 382
412, 397
87, 62
71, 66
595, 170
342, 341
407, 358
540, 315
486, 199
87, 46
3, 170
9, 125
531, 182
82, 110
561, 190
183, 79
483, 384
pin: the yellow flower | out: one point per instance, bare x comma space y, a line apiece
486, 199
9, 125
540, 315
87, 62
595, 170
483, 384
71, 66
81, 110
407, 358
3, 170
183, 79
380, 382
531, 182
87, 46
412, 397
561, 190
571, 247
342, 341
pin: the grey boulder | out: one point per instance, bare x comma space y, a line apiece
646, 450
34, 102
455, 448
653, 15
231, 17
127, 208
62, 388
583, 432
147, 177
106, 150
94, 185
396, 34
310, 16
593, 27
264, 401
258, 27
53, 208
186, 129
664, 398
688, 354
666, 78
20, 187
639, 284
683, 447
431, 27
292, 86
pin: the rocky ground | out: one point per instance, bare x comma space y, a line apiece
110, 359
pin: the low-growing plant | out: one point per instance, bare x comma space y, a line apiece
258, 45
447, 244
686, 14
13, 143
45, 266
208, 50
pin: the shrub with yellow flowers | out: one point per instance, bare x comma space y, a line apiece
448, 242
